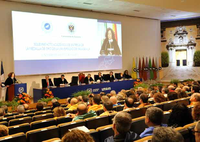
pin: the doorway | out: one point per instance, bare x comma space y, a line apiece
181, 57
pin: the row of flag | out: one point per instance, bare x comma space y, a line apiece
147, 68
2, 79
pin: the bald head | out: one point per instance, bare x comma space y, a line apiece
73, 101
129, 102
26, 106
195, 97
82, 108
113, 99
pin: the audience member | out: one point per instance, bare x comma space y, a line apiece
20, 109
172, 96
82, 112
166, 134
159, 98
113, 93
2, 113
143, 100
171, 88
180, 116
39, 106
138, 93
108, 108
182, 94
77, 136
165, 92
26, 106
104, 99
54, 100
195, 89
68, 102
196, 112
121, 127
59, 111
113, 99
5, 107
56, 104
197, 131
74, 104
85, 99
96, 103
129, 103
195, 98
153, 118
4, 131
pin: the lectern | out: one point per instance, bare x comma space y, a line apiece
15, 89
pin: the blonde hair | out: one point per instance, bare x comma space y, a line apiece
3, 130
59, 111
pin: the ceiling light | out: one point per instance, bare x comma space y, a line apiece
136, 10
87, 3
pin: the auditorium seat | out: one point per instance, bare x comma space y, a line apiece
74, 81
136, 104
20, 121
138, 125
118, 108
106, 77
19, 137
19, 128
185, 133
166, 117
43, 123
105, 132
95, 135
121, 102
56, 81
24, 115
64, 127
95, 78
183, 101
53, 140
30, 111
63, 119
137, 112
7, 118
159, 105
42, 116
98, 112
39, 135
71, 111
4, 123
42, 112
168, 105
47, 108
118, 76
111, 116
145, 139
95, 122
190, 128
63, 105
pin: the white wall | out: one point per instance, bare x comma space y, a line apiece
140, 37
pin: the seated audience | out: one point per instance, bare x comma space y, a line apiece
83, 113
2, 113
182, 94
165, 92
59, 111
180, 116
104, 99
143, 100
178, 91
197, 131
159, 98
166, 134
26, 106
113, 93
85, 99
108, 108
62, 80
120, 97
4, 131
126, 75
195, 89
171, 88
68, 102
56, 104
129, 103
195, 98
196, 112
172, 96
77, 136
74, 104
153, 119
113, 99
39, 106
96, 103
88, 79
20, 109
111, 77
121, 127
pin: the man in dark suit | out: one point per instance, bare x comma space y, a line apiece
111, 77
62, 80
99, 77
88, 79
46, 82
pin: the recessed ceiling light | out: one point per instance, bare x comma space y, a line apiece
87, 3
136, 10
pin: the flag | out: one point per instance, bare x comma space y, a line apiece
134, 69
150, 69
147, 66
144, 70
137, 67
154, 70
115, 31
160, 69
140, 69
2, 72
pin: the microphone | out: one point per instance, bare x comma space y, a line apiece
19, 81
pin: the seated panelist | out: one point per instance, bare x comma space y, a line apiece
62, 80
11, 79
88, 79
46, 82
111, 77
99, 77
126, 75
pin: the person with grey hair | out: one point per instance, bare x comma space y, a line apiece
20, 109
113, 99
5, 107
113, 93
121, 127
2, 113
195, 98
153, 118
197, 131
166, 134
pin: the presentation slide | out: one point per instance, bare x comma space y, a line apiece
46, 44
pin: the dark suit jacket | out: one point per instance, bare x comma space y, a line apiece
10, 81
99, 78
86, 81
106, 45
44, 83
62, 82
126, 76
111, 78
